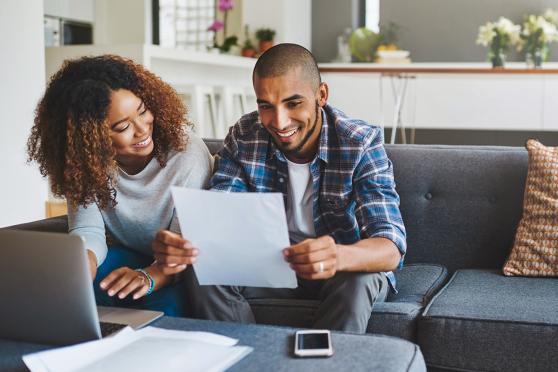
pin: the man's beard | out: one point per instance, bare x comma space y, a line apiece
306, 137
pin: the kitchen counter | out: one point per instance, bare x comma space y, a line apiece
438, 68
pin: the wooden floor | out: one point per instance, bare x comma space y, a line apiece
55, 208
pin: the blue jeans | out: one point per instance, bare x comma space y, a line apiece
170, 299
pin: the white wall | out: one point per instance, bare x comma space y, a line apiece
330, 18
122, 22
22, 190
78, 10
445, 31
291, 19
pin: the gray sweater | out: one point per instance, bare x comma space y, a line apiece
144, 202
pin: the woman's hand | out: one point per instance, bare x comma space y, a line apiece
172, 252
125, 281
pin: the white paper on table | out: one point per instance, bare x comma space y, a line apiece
149, 349
240, 237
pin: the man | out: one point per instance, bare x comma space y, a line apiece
337, 182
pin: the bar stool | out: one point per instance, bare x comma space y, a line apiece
399, 83
233, 103
251, 98
201, 100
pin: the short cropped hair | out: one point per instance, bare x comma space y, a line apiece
282, 58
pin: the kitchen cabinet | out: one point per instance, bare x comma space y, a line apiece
449, 96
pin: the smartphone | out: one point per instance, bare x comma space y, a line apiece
313, 342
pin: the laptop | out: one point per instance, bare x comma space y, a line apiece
47, 293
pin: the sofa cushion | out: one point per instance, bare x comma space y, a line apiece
396, 317
479, 319
417, 283
535, 250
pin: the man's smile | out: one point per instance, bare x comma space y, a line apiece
285, 136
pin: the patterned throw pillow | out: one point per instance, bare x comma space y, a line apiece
535, 250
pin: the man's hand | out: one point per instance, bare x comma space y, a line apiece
313, 258
172, 252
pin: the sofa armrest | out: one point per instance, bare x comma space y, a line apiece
55, 224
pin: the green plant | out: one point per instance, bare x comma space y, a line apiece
229, 42
248, 44
498, 37
363, 43
265, 34
538, 32
388, 33
247, 41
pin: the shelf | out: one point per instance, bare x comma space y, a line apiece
437, 68
152, 56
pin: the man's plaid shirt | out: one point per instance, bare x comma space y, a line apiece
354, 189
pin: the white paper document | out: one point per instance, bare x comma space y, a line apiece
149, 349
240, 237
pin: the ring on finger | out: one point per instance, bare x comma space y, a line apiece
321, 267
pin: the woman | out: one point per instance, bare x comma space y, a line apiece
112, 138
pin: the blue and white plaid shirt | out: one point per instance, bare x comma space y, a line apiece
354, 189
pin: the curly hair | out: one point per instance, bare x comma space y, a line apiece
70, 138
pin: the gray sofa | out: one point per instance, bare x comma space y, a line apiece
461, 206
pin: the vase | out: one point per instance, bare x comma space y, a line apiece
498, 59
265, 45
534, 58
248, 52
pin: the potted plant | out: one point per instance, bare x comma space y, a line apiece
363, 43
388, 37
228, 41
498, 37
538, 32
248, 49
265, 37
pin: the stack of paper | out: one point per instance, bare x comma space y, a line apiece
149, 349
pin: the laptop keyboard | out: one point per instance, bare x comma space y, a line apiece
109, 328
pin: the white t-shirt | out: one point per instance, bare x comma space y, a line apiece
300, 214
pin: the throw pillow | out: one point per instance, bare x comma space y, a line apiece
535, 250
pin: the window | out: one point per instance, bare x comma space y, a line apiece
372, 16
183, 23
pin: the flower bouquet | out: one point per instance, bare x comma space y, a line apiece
217, 25
538, 32
499, 37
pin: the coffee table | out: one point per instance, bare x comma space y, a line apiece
273, 349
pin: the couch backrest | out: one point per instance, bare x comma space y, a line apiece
214, 145
460, 204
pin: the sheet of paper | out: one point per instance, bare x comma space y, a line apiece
240, 237
149, 349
